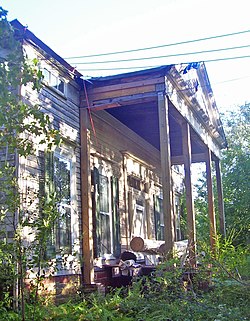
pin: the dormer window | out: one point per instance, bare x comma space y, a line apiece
54, 81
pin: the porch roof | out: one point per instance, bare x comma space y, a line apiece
132, 98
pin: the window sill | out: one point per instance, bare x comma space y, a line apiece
54, 90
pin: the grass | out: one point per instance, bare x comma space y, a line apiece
212, 294
149, 299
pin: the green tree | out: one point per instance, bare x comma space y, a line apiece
23, 129
236, 173
235, 166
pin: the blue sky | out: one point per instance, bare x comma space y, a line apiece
83, 27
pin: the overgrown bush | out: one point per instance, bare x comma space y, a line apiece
213, 292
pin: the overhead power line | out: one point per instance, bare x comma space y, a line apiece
155, 66
158, 57
161, 46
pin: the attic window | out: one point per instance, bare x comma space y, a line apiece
54, 81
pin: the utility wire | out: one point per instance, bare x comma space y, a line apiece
159, 57
155, 66
230, 80
161, 46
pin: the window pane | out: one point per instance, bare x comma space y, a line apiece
64, 229
104, 194
62, 179
53, 81
138, 224
62, 169
46, 75
61, 85
159, 219
105, 234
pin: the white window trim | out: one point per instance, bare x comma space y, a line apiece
142, 209
58, 76
67, 154
106, 171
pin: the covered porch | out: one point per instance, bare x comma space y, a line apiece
174, 111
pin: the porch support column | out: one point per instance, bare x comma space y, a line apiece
211, 212
166, 172
186, 147
220, 198
86, 205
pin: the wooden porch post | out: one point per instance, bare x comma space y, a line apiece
166, 171
220, 198
87, 226
211, 211
186, 146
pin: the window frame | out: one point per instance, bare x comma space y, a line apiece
159, 217
68, 248
54, 247
107, 215
139, 210
114, 240
178, 230
47, 80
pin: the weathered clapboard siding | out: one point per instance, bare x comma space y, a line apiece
64, 114
114, 141
58, 107
120, 137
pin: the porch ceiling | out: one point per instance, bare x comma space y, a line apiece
143, 120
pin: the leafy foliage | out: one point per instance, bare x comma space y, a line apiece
236, 173
167, 295
235, 166
23, 129
19, 122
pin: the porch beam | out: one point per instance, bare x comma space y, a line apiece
220, 198
211, 211
195, 158
163, 114
186, 146
100, 104
123, 92
86, 206
126, 85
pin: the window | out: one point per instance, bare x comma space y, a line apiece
105, 214
139, 220
178, 234
54, 81
60, 173
159, 219
62, 168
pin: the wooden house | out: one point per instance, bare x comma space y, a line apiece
136, 128
124, 138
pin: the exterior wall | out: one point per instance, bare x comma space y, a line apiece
63, 110
117, 151
6, 156
109, 149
